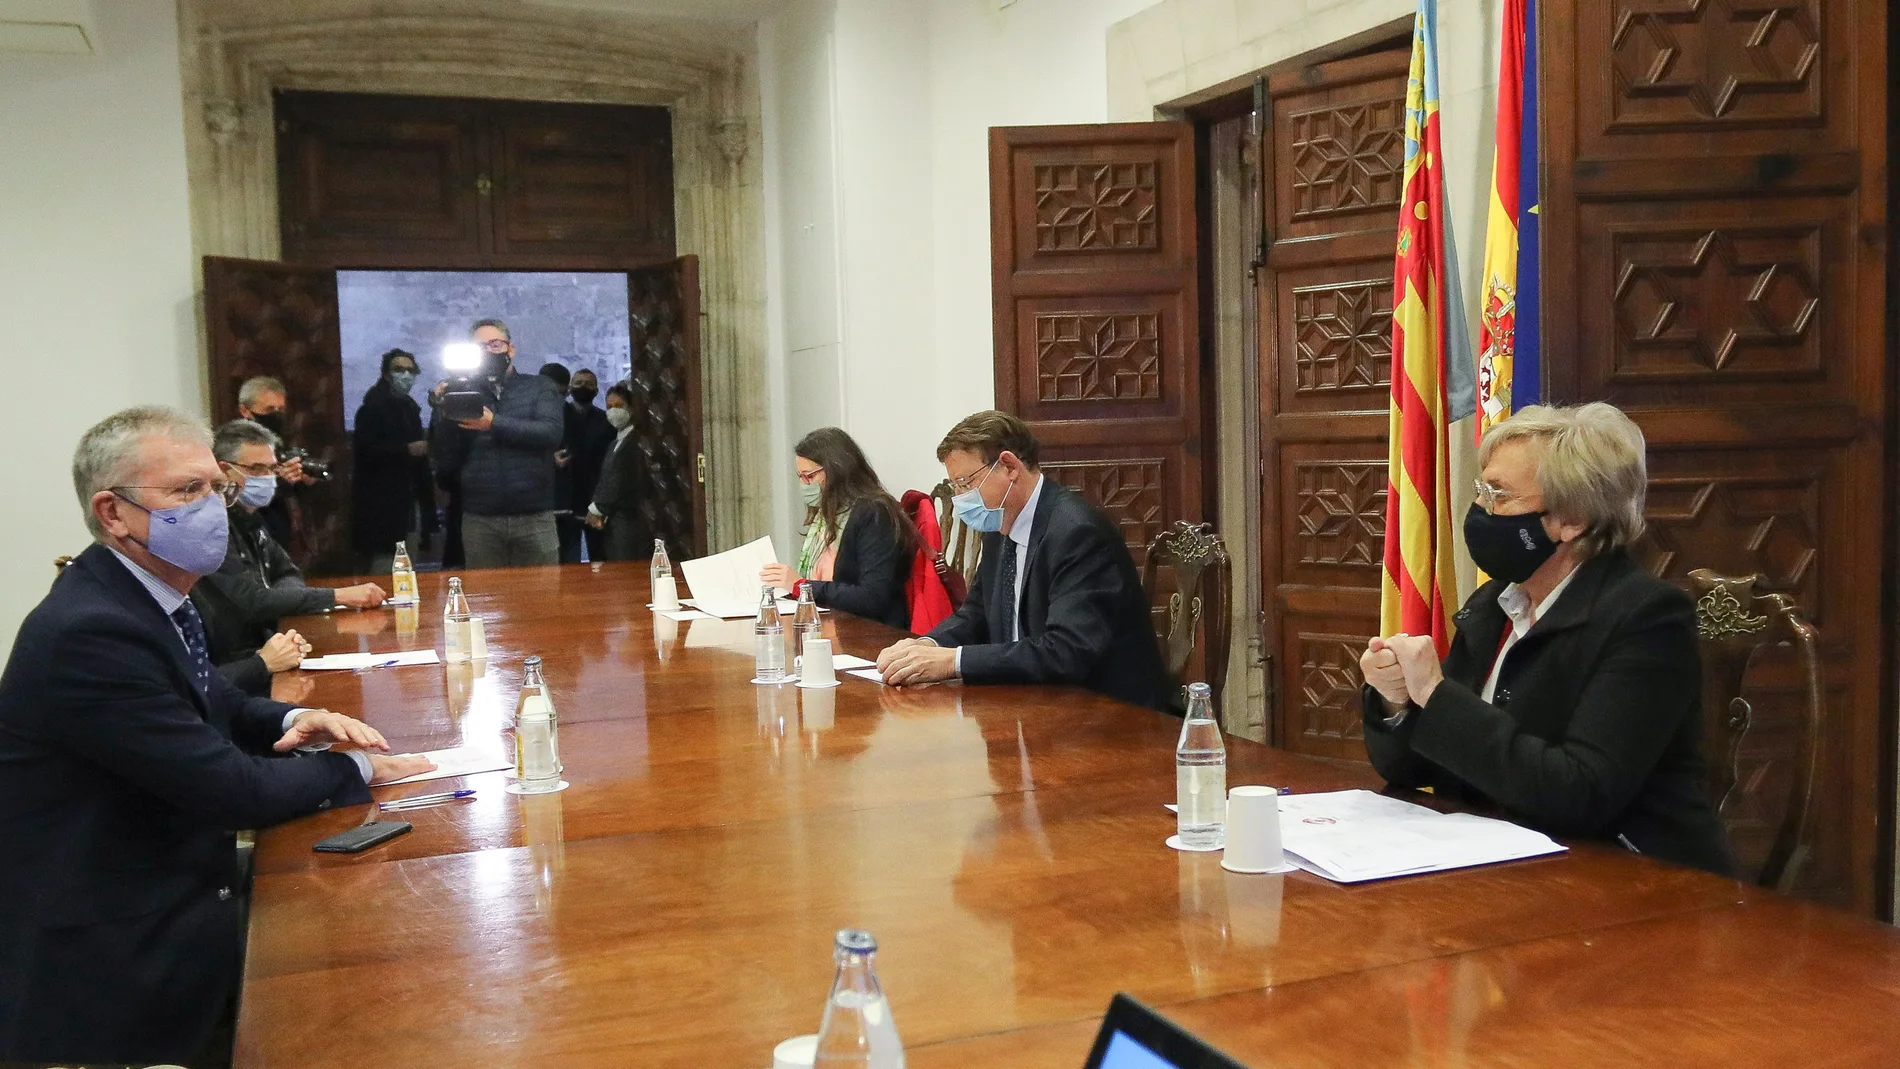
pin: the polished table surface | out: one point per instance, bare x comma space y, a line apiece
675, 906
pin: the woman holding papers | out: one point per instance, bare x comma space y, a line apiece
1570, 697
858, 543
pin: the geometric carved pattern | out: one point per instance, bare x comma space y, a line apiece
1098, 356
1704, 301
1130, 491
1096, 206
1329, 686
1341, 512
1716, 63
1348, 158
662, 406
1342, 334
1736, 526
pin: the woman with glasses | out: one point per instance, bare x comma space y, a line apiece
1570, 695
858, 545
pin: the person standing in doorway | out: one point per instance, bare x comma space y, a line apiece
393, 495
615, 514
588, 437
263, 400
504, 459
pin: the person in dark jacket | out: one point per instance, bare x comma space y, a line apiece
391, 490
257, 583
1056, 599
587, 438
125, 763
1570, 696
858, 543
504, 460
615, 511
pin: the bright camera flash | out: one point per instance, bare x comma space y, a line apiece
462, 356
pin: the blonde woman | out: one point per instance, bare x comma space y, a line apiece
1570, 697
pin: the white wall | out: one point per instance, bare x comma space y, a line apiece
877, 115
96, 278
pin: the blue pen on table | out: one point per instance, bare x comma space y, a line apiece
421, 800
391, 663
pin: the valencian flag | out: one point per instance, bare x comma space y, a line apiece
1507, 338
1433, 378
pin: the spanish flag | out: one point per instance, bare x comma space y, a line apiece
1433, 379
1507, 355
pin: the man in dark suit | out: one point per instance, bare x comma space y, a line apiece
126, 763
584, 443
1056, 599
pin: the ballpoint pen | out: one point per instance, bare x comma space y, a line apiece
422, 800
380, 664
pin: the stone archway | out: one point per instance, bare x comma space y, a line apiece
236, 53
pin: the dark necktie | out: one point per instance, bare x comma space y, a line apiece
1006, 596
186, 617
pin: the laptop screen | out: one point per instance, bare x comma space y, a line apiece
1125, 1053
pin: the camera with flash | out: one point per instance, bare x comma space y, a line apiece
471, 382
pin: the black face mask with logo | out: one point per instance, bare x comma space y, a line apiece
1510, 548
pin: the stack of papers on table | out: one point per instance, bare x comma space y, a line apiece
727, 584
1352, 836
336, 661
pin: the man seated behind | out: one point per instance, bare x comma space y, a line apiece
1056, 599
126, 762
257, 583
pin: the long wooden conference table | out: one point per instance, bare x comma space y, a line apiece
675, 906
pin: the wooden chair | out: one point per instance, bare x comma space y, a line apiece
962, 547
1197, 600
1734, 624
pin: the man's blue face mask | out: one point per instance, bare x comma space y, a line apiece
969, 507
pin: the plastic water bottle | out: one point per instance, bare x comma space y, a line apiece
769, 638
457, 623
805, 622
1200, 775
533, 683
402, 576
661, 564
536, 771
857, 1030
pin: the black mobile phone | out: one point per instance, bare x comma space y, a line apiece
362, 837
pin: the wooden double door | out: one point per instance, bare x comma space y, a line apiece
1715, 263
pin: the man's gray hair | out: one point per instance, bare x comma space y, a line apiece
109, 454
256, 387
1590, 468
231, 438
497, 324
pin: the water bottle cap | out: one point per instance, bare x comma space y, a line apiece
532, 661
856, 940
1200, 690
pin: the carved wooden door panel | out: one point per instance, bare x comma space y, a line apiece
267, 318
381, 181
1094, 258
1333, 153
663, 329
581, 181
1714, 243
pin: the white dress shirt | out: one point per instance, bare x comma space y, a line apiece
169, 600
1523, 616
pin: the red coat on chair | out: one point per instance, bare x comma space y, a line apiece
930, 601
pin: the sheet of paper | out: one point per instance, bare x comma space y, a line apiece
460, 761
871, 674
844, 662
684, 615
338, 661
727, 584
1352, 836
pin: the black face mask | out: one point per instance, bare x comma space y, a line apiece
270, 421
584, 395
1510, 548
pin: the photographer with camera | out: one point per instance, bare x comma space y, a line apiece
262, 400
497, 432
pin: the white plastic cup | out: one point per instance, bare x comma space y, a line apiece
798, 1052
1253, 830
666, 594
816, 669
